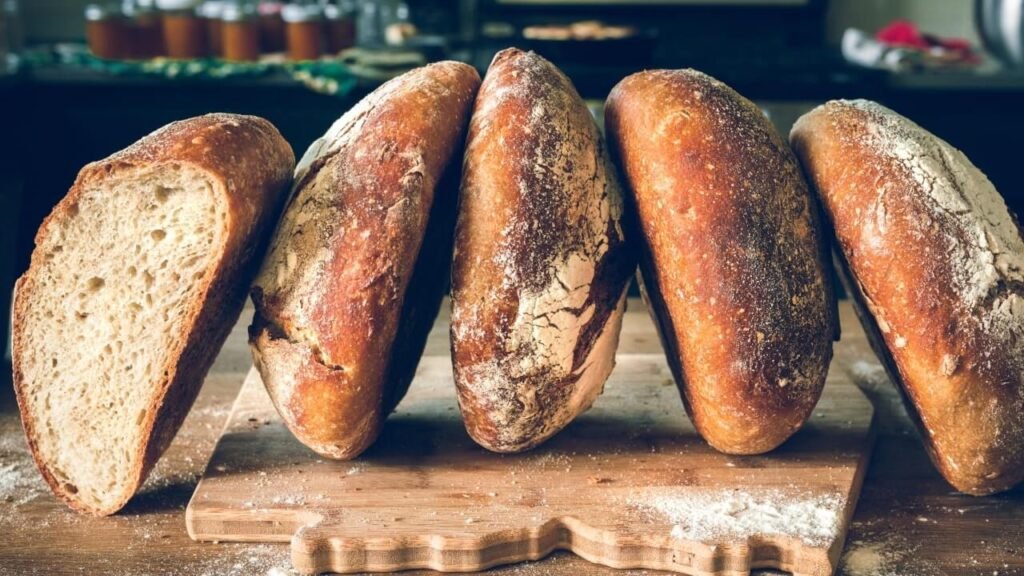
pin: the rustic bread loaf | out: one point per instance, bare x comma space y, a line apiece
541, 262
935, 262
137, 277
359, 264
733, 262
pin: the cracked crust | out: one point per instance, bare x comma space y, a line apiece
250, 164
935, 262
359, 263
541, 263
733, 266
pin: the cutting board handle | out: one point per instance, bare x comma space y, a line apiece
317, 548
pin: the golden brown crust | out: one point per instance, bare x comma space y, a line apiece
541, 261
733, 263
335, 337
934, 260
250, 165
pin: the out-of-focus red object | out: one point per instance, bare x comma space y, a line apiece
906, 34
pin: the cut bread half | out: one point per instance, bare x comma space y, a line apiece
136, 279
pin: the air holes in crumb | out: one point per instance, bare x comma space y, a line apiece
95, 283
162, 193
148, 278
53, 362
70, 488
158, 235
81, 315
72, 210
132, 271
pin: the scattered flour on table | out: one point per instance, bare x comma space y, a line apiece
710, 515
874, 559
20, 482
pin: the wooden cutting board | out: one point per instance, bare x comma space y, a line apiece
629, 484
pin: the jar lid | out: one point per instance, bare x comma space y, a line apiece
333, 12
138, 8
269, 8
302, 13
177, 5
237, 13
95, 12
211, 9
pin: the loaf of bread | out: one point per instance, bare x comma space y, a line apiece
935, 263
137, 277
541, 260
359, 264
733, 262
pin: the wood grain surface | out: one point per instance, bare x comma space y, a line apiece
907, 522
426, 496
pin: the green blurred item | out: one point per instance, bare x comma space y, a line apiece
331, 77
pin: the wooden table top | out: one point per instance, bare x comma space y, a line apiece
909, 522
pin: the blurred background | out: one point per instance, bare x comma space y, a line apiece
80, 80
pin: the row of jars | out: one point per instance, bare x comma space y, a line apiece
233, 30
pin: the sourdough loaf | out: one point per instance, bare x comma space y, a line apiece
935, 262
137, 277
541, 261
359, 264
733, 263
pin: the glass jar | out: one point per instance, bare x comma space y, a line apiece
183, 30
146, 34
304, 31
272, 29
341, 27
185, 34
369, 33
241, 33
106, 31
211, 13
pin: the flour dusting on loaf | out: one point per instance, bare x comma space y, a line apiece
541, 263
359, 263
991, 251
936, 262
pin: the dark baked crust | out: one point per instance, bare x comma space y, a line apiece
541, 259
359, 264
250, 165
733, 260
940, 304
